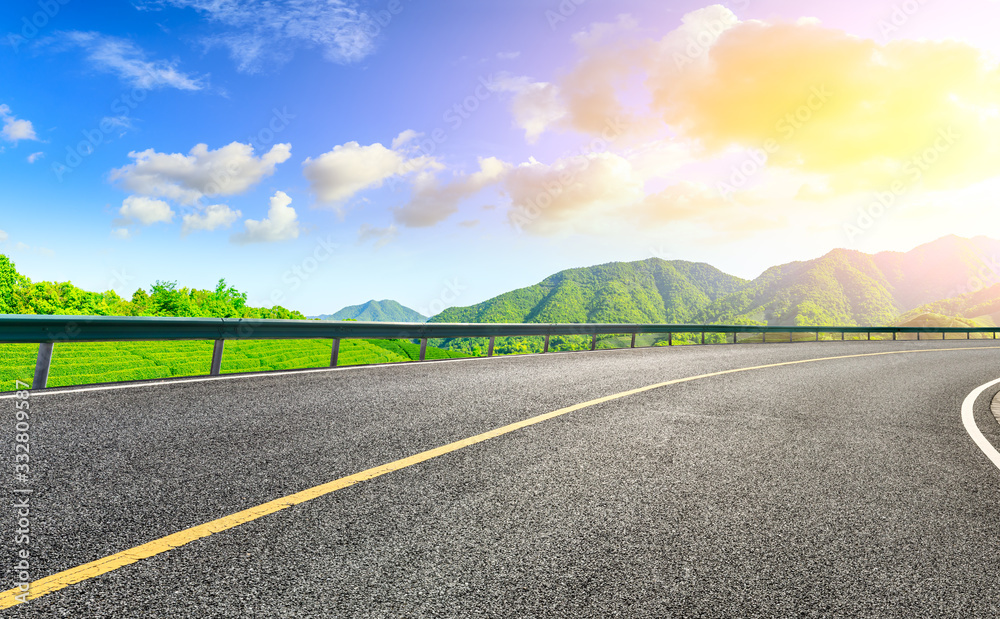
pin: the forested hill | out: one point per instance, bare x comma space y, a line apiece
19, 295
844, 287
650, 291
386, 310
847, 287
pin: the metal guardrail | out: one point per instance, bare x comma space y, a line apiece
47, 330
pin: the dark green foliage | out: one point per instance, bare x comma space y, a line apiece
651, 291
843, 288
19, 295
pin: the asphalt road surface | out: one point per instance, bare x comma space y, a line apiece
836, 488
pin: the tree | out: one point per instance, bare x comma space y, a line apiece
167, 300
10, 282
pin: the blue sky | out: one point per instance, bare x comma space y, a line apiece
319, 154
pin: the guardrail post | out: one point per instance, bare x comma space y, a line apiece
968, 335
633, 340
42, 364
335, 352
489, 353
791, 337
817, 336
423, 348
869, 336
893, 336
546, 344
763, 337
942, 335
918, 336
702, 338
593, 342
217, 357
841, 336
670, 339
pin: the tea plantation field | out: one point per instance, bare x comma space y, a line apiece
81, 363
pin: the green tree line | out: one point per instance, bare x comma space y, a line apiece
19, 295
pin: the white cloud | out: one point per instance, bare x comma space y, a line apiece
14, 128
146, 211
536, 106
404, 138
281, 223
508, 55
581, 192
262, 33
226, 171
128, 61
120, 123
381, 236
432, 202
338, 175
33, 157
210, 218
4, 236
121, 233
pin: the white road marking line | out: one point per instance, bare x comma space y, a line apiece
969, 420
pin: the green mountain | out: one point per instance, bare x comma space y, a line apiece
948, 267
981, 307
849, 288
377, 311
844, 287
841, 288
653, 290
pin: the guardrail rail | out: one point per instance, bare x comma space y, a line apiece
48, 330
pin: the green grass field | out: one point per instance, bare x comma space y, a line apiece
82, 363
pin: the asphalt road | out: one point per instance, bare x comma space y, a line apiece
840, 488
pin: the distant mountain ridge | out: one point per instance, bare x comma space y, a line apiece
385, 310
652, 290
850, 288
842, 288
981, 307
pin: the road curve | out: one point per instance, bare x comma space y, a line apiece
841, 487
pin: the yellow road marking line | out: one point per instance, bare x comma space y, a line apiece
60, 580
